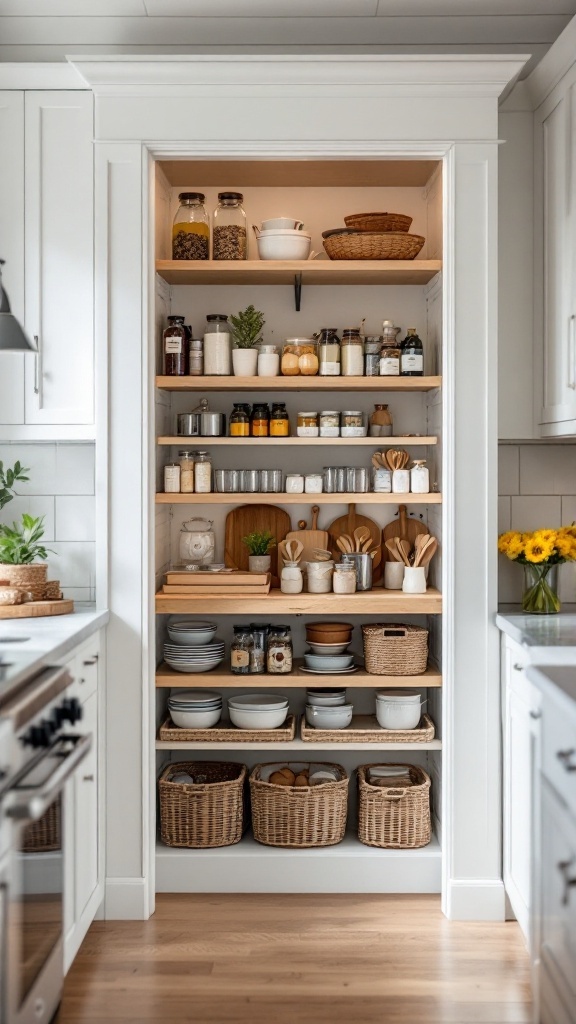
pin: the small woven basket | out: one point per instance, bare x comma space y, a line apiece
299, 817
378, 222
203, 814
366, 245
394, 649
52, 590
44, 835
394, 818
31, 578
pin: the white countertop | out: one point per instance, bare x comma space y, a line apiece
51, 638
547, 639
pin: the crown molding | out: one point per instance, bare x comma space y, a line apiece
41, 76
553, 66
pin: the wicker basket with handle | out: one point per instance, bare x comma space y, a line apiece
394, 817
395, 649
373, 245
298, 817
378, 221
207, 813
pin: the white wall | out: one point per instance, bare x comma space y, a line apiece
61, 488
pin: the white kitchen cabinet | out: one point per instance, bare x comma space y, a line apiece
47, 238
557, 910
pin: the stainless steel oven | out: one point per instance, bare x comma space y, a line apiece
45, 753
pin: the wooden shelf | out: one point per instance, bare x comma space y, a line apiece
299, 442
370, 602
314, 272
299, 383
223, 678
258, 498
298, 745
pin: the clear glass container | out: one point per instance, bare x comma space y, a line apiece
202, 472
344, 578
239, 421
241, 650
260, 420
372, 346
217, 346
329, 352
229, 239
307, 424
174, 345
191, 228
299, 356
390, 351
279, 420
279, 650
329, 423
196, 357
258, 652
352, 353
186, 460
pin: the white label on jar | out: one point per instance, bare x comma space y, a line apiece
307, 431
329, 431
411, 363
329, 370
352, 361
389, 366
173, 345
239, 658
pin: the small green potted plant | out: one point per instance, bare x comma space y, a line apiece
19, 548
259, 546
8, 477
247, 334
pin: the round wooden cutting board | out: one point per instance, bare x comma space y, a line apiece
35, 609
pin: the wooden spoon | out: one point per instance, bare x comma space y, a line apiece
403, 547
321, 554
361, 534
393, 550
419, 543
427, 554
345, 544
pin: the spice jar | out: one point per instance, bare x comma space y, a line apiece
279, 421
217, 346
419, 477
381, 422
299, 355
353, 423
202, 472
344, 578
372, 346
229, 240
239, 421
172, 478
291, 581
352, 353
241, 650
174, 343
191, 228
390, 351
268, 361
307, 424
279, 650
260, 421
329, 352
329, 423
196, 357
186, 460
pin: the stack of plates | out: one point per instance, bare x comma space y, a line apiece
190, 631
258, 710
194, 658
195, 709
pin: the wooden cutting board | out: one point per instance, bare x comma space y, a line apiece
35, 609
313, 538
349, 523
250, 518
406, 527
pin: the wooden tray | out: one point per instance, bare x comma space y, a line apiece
225, 732
235, 578
227, 590
35, 609
365, 729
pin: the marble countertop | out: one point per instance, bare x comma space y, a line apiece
547, 639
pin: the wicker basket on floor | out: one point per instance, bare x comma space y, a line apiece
395, 649
394, 818
45, 835
207, 813
299, 817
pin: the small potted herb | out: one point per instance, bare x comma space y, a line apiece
259, 544
19, 547
247, 333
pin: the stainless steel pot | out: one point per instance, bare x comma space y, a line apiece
189, 424
213, 424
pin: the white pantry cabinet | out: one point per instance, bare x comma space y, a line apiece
47, 239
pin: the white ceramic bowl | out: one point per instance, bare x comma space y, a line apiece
196, 719
328, 648
196, 666
277, 246
398, 716
257, 719
326, 702
281, 224
327, 662
329, 718
198, 696
398, 696
195, 637
259, 702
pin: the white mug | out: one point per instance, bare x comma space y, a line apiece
393, 575
414, 579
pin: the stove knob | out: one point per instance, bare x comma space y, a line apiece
57, 717
71, 710
39, 735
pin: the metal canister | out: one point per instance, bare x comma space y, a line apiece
213, 424
363, 563
189, 424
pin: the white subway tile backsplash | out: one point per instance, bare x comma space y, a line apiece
75, 517
568, 509
74, 469
536, 512
508, 469
548, 469
85, 595
73, 563
504, 514
35, 505
39, 459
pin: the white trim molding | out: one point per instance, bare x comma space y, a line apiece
126, 899
41, 76
476, 899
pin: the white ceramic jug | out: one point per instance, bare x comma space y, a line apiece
197, 541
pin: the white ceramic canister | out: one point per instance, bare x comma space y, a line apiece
313, 483
401, 481
291, 581
393, 575
294, 483
414, 579
382, 481
419, 477
268, 361
320, 577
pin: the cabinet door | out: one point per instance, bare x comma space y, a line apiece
86, 813
59, 262
12, 246
558, 910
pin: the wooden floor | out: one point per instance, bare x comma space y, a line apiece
299, 960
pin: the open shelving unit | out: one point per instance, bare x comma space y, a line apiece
257, 497
383, 385
371, 602
297, 442
225, 679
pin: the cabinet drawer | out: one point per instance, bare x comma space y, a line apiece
558, 895
559, 752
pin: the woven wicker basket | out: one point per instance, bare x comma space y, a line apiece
203, 814
298, 817
44, 835
393, 818
366, 245
394, 649
27, 577
52, 590
378, 222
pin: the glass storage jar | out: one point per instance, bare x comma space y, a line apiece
239, 421
196, 357
344, 578
299, 355
279, 650
390, 351
307, 424
217, 346
202, 472
186, 460
352, 423
329, 352
174, 345
172, 478
260, 420
191, 228
258, 652
352, 353
372, 346
229, 240
279, 420
241, 650
412, 355
329, 423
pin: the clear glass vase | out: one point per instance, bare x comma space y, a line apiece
540, 595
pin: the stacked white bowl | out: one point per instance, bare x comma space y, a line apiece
193, 647
399, 709
327, 709
195, 709
330, 664
258, 710
279, 239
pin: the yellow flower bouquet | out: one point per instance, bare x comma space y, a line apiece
540, 552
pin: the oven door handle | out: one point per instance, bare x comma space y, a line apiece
30, 805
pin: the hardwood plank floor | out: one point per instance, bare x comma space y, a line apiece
299, 960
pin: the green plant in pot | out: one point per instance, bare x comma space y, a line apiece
8, 477
259, 546
20, 547
247, 333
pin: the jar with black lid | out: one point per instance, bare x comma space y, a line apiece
229, 239
239, 421
279, 420
411, 355
174, 345
260, 420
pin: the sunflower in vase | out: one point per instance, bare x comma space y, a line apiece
540, 553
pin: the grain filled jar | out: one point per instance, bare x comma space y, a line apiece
353, 423
217, 346
239, 421
202, 472
174, 344
241, 650
372, 346
329, 423
307, 424
329, 353
344, 578
229, 240
352, 353
191, 228
186, 460
279, 650
260, 421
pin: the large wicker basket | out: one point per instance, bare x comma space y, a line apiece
206, 813
394, 649
45, 835
394, 818
378, 221
373, 245
298, 817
